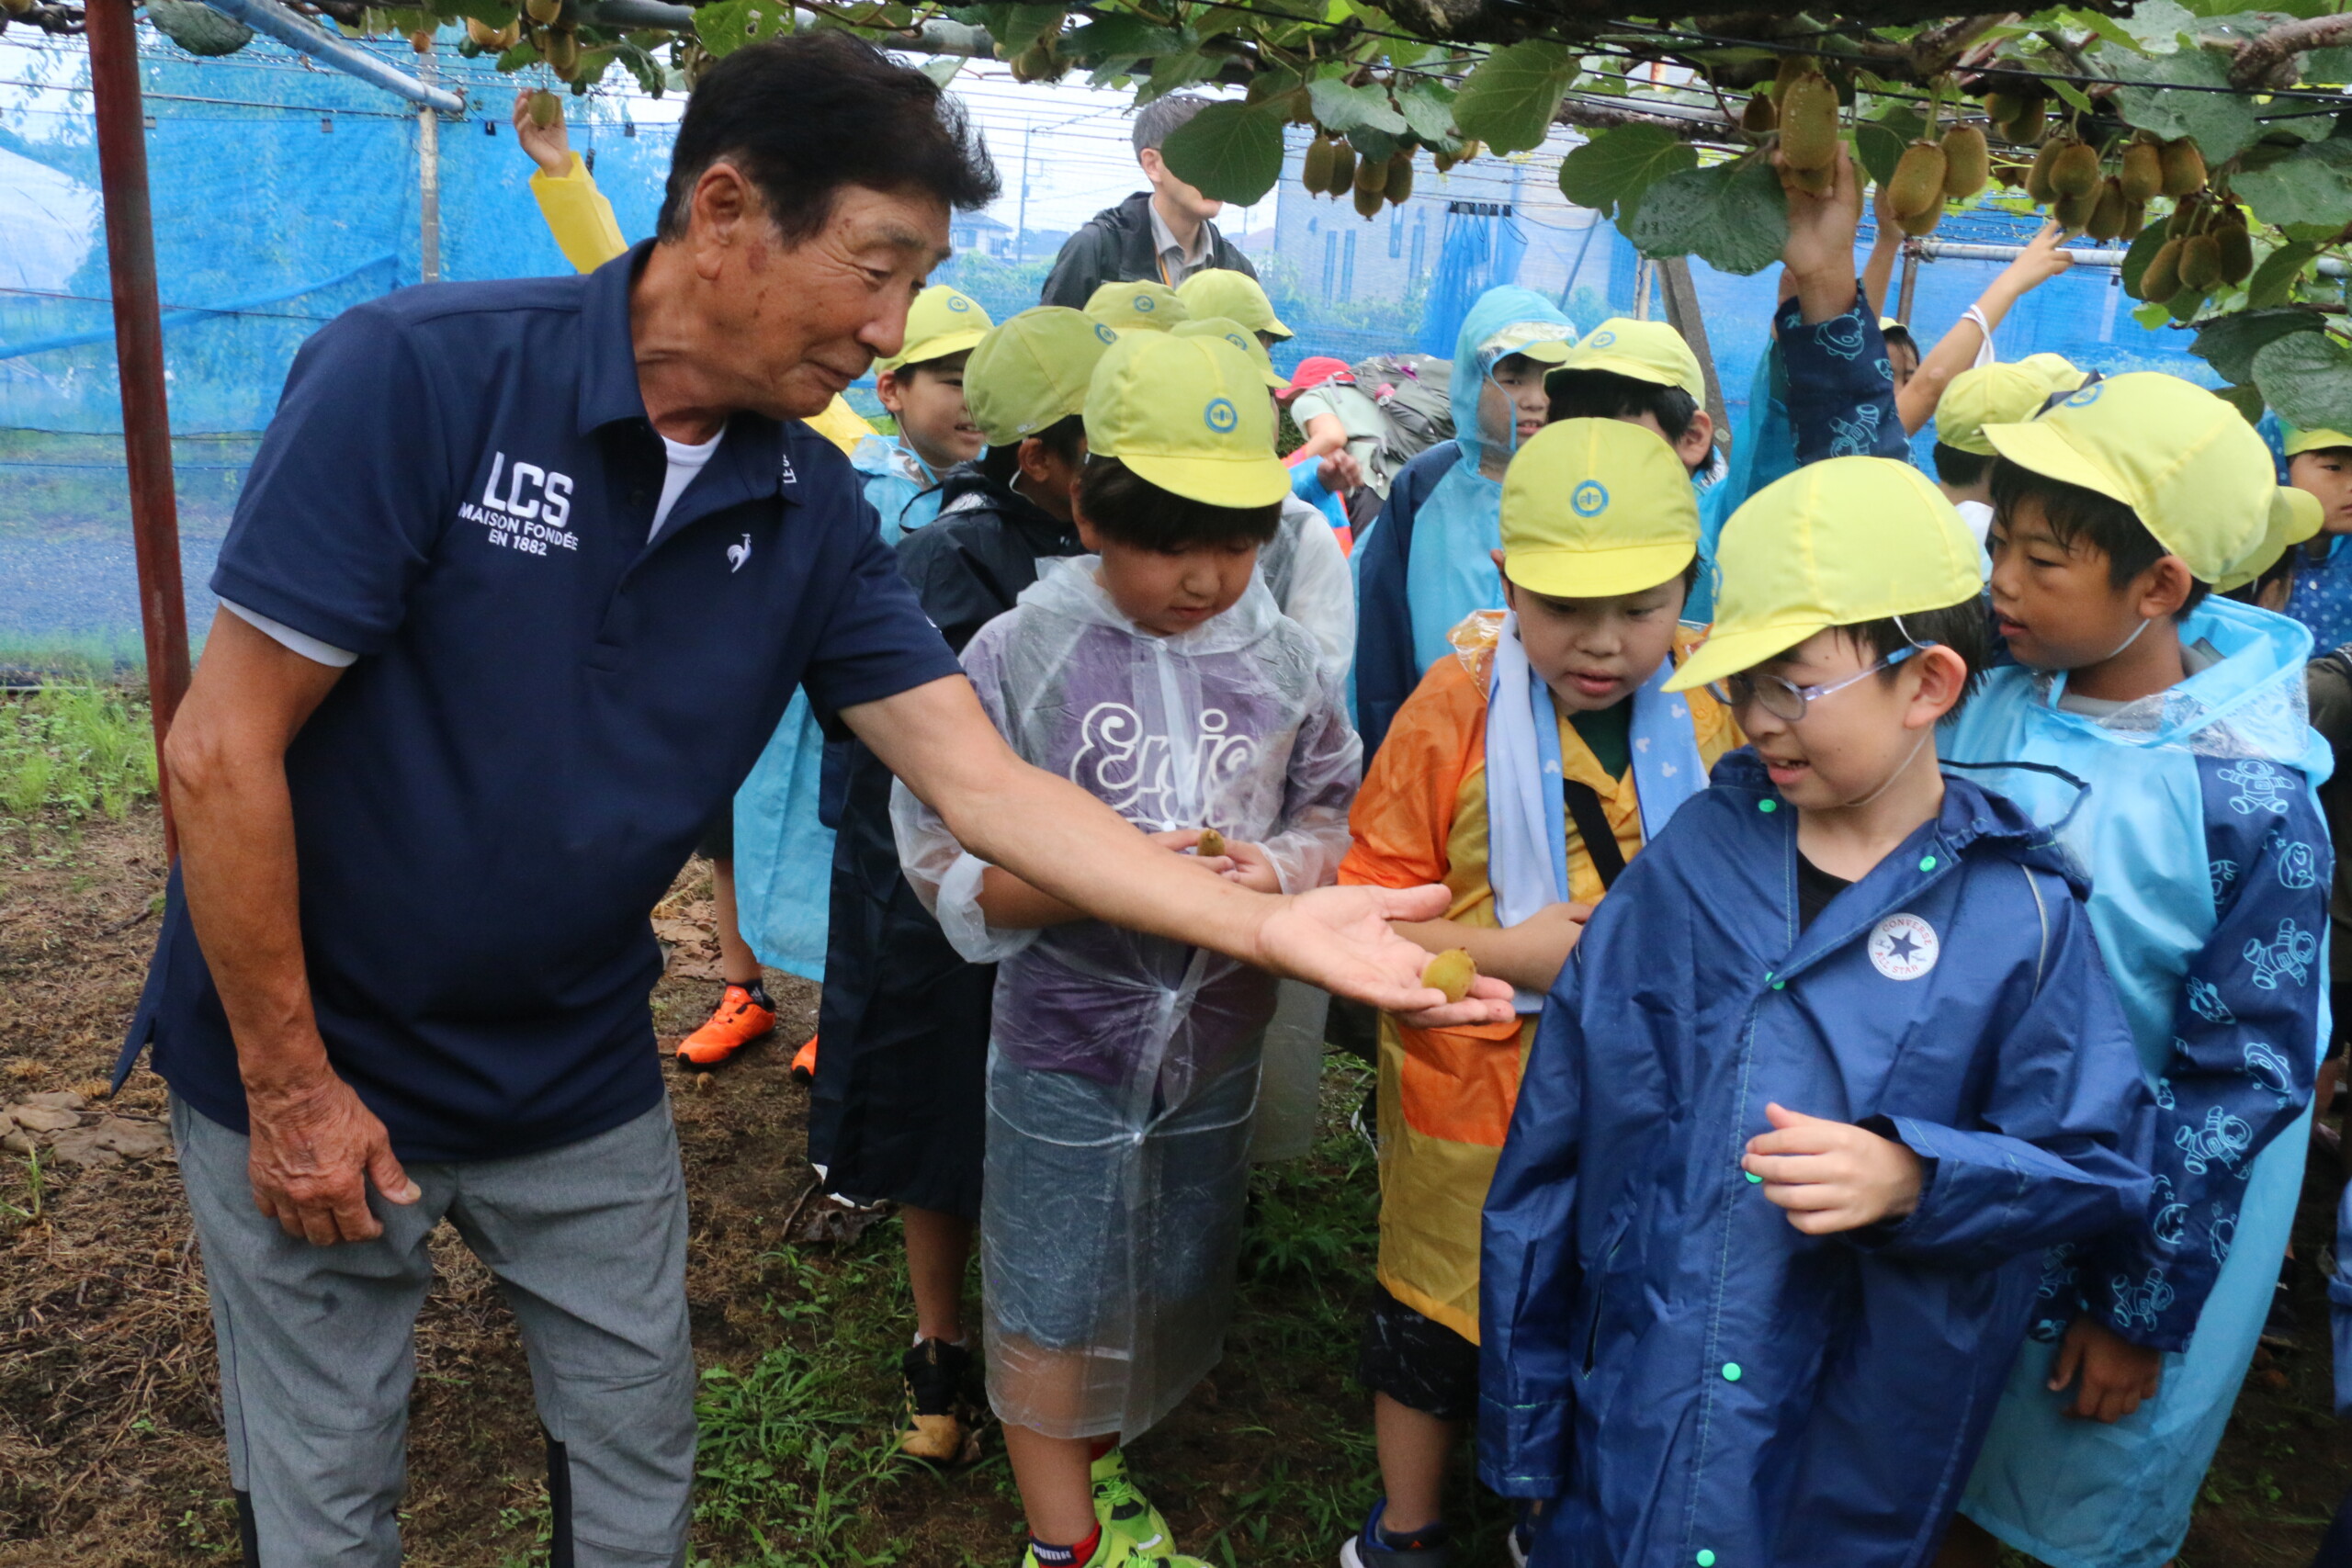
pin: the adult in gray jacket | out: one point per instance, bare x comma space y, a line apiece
1164, 234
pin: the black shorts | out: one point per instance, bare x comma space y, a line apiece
718, 839
1418, 1362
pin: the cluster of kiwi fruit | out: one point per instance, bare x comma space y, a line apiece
2206, 247
1333, 168
2087, 197
549, 26
1802, 108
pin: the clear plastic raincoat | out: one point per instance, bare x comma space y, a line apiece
2209, 870
1123, 1068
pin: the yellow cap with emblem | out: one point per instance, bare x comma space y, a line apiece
1189, 415
1222, 291
2188, 465
1641, 351
1240, 337
941, 321
2302, 441
1592, 507
1132, 307
1032, 371
1989, 394
1836, 543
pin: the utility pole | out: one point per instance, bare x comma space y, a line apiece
428, 179
1020, 225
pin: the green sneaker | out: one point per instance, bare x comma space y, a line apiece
1117, 1551
1126, 1512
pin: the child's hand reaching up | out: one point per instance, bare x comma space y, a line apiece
2117, 1374
1249, 865
1832, 1175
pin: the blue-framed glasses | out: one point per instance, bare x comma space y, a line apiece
1785, 699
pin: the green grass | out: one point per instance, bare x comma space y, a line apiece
78, 750
797, 1464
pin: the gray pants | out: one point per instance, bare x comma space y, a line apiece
588, 1243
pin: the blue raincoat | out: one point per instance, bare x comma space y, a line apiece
1434, 569
1825, 390
1688, 1376
2322, 599
904, 491
2209, 872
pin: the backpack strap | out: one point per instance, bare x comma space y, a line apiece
1592, 826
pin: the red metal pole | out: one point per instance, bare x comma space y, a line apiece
139, 357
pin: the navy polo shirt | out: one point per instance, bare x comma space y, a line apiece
547, 709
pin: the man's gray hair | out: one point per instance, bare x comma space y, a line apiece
1162, 117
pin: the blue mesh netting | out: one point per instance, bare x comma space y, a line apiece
285, 193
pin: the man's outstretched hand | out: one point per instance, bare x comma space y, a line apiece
1339, 938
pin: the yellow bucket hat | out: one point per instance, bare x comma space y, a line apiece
1641, 351
1236, 295
1836, 543
2187, 463
2302, 441
1240, 337
1990, 394
1596, 507
1189, 415
941, 321
1127, 306
1032, 371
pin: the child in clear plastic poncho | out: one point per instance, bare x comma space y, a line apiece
1159, 675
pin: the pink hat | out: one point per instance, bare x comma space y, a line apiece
1315, 370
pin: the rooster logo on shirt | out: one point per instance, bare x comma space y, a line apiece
738, 554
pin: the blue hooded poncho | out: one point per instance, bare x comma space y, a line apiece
2209, 870
1423, 565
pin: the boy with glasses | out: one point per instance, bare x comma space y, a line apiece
1822, 1078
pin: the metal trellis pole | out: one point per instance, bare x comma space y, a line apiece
428, 180
139, 359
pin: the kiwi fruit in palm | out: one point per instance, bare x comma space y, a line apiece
1451, 971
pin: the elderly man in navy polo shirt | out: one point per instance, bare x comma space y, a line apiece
522, 578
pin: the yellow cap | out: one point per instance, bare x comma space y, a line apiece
1596, 507
2302, 441
1222, 291
1240, 337
1032, 371
1990, 394
941, 321
1124, 307
2058, 372
2295, 515
2187, 463
1836, 543
1189, 415
1544, 342
1643, 351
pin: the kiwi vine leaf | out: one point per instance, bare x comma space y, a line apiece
2216, 142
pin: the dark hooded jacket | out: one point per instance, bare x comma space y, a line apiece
904, 1021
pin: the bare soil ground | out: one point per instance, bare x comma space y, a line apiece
110, 1452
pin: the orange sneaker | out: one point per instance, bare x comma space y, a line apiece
741, 1019
804, 1062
